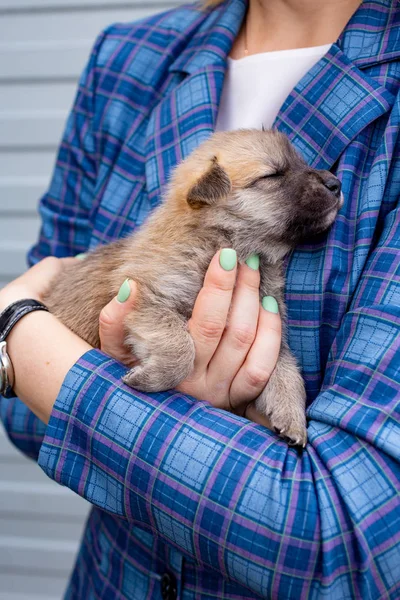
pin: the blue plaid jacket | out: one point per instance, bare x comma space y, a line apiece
220, 505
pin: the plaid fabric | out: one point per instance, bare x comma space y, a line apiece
179, 487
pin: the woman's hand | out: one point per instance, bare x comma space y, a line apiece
35, 283
234, 357
237, 341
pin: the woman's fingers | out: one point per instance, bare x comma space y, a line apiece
111, 323
255, 372
36, 282
211, 308
241, 328
46, 270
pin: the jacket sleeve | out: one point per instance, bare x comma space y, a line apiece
65, 229
65, 208
228, 493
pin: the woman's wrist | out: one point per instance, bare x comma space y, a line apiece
42, 351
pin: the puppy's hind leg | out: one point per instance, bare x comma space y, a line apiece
163, 347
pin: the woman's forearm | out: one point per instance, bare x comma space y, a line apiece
42, 351
41, 348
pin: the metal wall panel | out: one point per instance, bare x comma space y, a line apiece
44, 45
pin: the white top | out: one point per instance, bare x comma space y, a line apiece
256, 86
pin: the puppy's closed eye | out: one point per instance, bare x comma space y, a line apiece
273, 175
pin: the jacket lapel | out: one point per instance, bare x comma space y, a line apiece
179, 123
337, 98
187, 113
329, 107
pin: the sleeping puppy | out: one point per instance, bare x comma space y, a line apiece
248, 190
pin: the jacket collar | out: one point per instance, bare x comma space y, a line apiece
212, 39
371, 36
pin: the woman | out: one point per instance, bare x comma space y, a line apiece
190, 501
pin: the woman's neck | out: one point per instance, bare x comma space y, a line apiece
285, 24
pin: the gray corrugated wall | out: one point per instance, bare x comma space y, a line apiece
44, 45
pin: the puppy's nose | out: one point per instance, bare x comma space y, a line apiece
333, 184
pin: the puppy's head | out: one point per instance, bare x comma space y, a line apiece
255, 182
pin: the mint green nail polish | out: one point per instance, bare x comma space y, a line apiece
81, 256
124, 291
270, 304
253, 262
227, 259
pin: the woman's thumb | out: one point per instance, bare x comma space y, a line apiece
111, 322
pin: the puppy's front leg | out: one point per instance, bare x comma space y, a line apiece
163, 346
284, 398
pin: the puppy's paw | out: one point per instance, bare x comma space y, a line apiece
295, 435
152, 377
283, 402
138, 378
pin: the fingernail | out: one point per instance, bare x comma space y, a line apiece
270, 304
227, 259
81, 256
124, 291
253, 262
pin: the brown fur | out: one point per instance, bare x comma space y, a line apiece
211, 3
247, 190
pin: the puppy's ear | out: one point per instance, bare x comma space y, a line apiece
214, 185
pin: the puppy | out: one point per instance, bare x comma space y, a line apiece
248, 190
